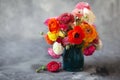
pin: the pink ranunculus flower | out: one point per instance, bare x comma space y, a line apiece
63, 27
65, 41
77, 13
82, 5
46, 21
52, 54
89, 50
66, 18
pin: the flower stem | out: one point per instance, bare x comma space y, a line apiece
40, 68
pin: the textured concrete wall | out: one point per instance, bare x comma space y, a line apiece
21, 45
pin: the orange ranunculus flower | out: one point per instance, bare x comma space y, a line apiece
48, 40
90, 32
76, 35
85, 44
53, 25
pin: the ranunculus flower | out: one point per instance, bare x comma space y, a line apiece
65, 41
82, 5
95, 41
48, 40
77, 12
89, 50
76, 35
90, 32
53, 66
79, 9
46, 21
63, 27
61, 34
66, 18
59, 40
53, 25
52, 54
57, 48
53, 36
99, 45
88, 16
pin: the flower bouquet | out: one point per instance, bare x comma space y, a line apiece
73, 35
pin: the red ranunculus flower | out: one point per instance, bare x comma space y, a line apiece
53, 66
76, 35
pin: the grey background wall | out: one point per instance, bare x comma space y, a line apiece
21, 45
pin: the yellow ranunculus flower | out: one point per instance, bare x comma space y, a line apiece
53, 36
61, 34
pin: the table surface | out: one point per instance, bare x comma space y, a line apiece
22, 47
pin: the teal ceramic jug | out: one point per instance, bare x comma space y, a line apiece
73, 59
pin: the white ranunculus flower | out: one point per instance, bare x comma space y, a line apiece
88, 16
100, 45
57, 48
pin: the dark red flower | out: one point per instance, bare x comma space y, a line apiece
59, 40
53, 66
76, 35
63, 27
66, 18
95, 41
